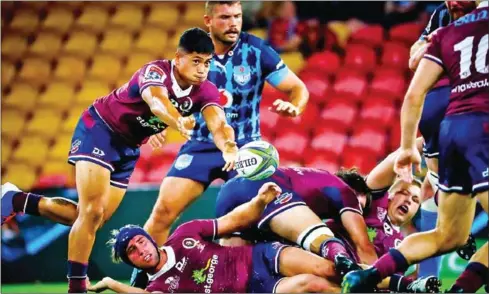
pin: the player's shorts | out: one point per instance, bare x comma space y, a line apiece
265, 274
94, 141
240, 191
464, 153
434, 109
201, 162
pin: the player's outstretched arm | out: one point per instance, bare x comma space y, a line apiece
356, 227
157, 99
116, 286
223, 134
248, 213
298, 96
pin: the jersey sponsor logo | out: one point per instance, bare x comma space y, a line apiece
242, 74
283, 198
183, 104
182, 264
372, 234
191, 243
174, 282
206, 274
471, 85
225, 98
75, 146
388, 229
183, 161
154, 74
153, 122
98, 152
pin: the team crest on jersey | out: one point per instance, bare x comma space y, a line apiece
242, 74
283, 198
154, 74
191, 243
183, 161
173, 282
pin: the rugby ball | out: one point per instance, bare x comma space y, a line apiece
257, 160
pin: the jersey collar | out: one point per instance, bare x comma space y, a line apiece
483, 4
168, 265
176, 87
229, 53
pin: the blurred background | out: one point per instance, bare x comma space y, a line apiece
57, 57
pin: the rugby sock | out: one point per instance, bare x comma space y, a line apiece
391, 263
331, 247
473, 277
399, 283
77, 277
27, 203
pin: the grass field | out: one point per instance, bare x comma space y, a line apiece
62, 287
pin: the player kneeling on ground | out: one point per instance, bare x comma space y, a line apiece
190, 262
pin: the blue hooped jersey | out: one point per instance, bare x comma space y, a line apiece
240, 76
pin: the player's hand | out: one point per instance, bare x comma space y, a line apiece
404, 162
269, 192
186, 125
158, 140
284, 108
229, 154
98, 287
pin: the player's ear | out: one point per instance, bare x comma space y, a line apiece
178, 55
207, 20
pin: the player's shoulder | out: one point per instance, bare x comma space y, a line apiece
208, 86
160, 66
254, 40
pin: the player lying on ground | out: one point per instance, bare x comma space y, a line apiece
241, 65
189, 262
463, 158
105, 144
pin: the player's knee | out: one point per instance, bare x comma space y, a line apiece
93, 213
449, 241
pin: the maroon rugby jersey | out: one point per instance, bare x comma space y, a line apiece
198, 265
128, 115
461, 49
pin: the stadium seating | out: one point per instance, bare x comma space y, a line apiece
58, 57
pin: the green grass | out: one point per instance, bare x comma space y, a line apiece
62, 287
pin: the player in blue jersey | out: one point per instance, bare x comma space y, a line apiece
106, 141
241, 65
460, 50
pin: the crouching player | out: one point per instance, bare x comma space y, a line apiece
189, 262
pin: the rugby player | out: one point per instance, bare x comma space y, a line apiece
105, 144
434, 108
460, 48
189, 262
241, 64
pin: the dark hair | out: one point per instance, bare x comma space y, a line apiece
196, 40
209, 5
356, 181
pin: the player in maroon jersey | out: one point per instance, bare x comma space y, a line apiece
105, 144
189, 262
461, 50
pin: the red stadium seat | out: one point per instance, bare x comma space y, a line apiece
395, 55
268, 119
340, 112
378, 111
369, 138
350, 83
407, 33
326, 62
323, 162
329, 141
372, 35
291, 144
317, 85
304, 122
138, 174
354, 157
395, 136
388, 82
270, 94
157, 171
360, 57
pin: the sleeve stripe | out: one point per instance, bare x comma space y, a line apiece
345, 209
209, 104
433, 58
150, 84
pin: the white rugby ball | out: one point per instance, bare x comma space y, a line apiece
257, 160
